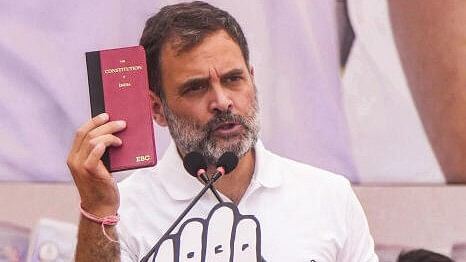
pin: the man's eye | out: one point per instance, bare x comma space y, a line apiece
193, 88
232, 79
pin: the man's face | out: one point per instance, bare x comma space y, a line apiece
210, 100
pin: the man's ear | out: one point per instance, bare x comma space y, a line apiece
157, 109
251, 72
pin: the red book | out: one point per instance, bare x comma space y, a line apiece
118, 85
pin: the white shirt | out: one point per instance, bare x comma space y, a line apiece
304, 213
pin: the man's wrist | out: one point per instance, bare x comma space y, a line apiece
101, 210
104, 221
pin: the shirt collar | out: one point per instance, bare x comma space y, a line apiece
180, 185
266, 171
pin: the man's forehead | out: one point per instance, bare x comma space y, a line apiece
217, 52
178, 44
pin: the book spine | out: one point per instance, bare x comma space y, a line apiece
96, 92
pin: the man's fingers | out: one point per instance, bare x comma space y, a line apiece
219, 235
245, 247
191, 251
107, 140
107, 128
86, 127
91, 164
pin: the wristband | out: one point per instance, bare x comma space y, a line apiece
104, 221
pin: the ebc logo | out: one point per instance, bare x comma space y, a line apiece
143, 158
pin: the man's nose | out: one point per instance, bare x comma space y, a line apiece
220, 99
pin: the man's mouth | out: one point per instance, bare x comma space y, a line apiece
227, 129
225, 126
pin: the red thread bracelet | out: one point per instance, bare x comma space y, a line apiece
104, 221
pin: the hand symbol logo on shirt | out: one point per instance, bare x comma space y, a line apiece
224, 236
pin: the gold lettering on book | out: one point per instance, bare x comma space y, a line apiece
143, 158
121, 85
122, 69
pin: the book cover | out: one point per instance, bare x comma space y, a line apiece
118, 85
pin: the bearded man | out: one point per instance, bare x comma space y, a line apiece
202, 89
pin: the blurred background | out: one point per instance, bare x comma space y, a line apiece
369, 89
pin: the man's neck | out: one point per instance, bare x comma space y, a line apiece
235, 184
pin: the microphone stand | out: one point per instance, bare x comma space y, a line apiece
206, 180
209, 185
214, 178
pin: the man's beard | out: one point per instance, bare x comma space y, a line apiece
190, 136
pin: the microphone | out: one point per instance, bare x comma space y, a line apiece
194, 162
196, 165
225, 164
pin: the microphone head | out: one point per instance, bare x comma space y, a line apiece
194, 161
228, 161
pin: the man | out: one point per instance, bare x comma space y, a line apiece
203, 90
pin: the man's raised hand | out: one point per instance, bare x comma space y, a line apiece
96, 186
